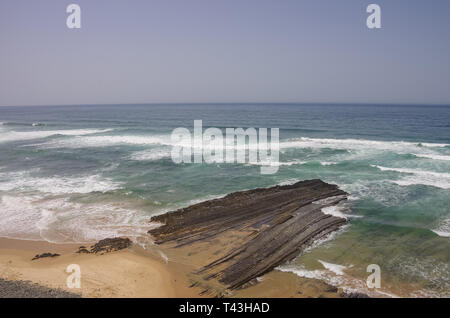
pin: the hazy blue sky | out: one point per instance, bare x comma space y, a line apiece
224, 51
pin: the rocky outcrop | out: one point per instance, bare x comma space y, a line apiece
353, 295
275, 224
44, 255
107, 245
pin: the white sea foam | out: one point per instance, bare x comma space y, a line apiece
334, 275
335, 210
430, 178
382, 191
24, 181
326, 163
141, 140
278, 164
301, 271
443, 229
163, 256
305, 142
298, 162
425, 268
433, 156
150, 155
335, 268
29, 135
288, 182
60, 220
339, 210
18, 217
107, 141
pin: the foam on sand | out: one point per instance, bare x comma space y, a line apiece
334, 274
335, 268
18, 217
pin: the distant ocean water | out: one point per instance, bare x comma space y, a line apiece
83, 173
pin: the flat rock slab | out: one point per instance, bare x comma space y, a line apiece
276, 223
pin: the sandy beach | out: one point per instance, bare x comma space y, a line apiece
224, 149
126, 273
132, 272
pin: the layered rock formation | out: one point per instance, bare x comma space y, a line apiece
107, 245
272, 226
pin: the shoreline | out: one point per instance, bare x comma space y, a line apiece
124, 273
132, 272
228, 247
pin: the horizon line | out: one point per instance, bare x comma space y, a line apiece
235, 103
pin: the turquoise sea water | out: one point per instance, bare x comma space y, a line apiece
82, 173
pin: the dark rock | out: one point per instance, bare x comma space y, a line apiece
44, 255
83, 250
111, 245
107, 245
276, 223
194, 284
331, 289
353, 295
204, 292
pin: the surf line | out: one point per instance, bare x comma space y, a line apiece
210, 146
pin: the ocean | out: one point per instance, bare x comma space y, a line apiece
84, 173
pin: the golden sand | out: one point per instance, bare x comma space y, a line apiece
135, 272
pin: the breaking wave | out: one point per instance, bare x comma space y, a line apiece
150, 155
433, 157
25, 181
415, 176
59, 220
443, 229
9, 136
357, 144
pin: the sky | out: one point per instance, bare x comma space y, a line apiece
211, 51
